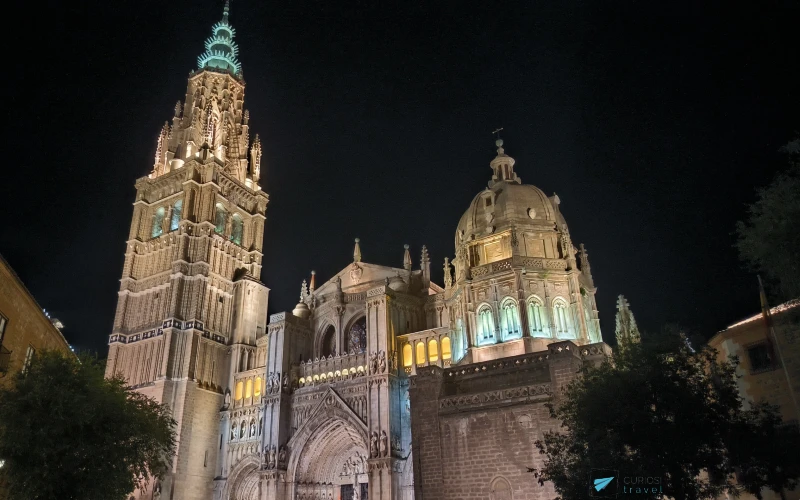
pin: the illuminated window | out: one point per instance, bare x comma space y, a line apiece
302, 381
535, 318
420, 353
509, 320
485, 326
28, 359
407, 361
446, 354
158, 223
433, 351
3, 323
258, 387
237, 228
239, 387
177, 208
560, 316
220, 219
345, 372
248, 391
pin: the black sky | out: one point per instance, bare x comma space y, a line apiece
653, 121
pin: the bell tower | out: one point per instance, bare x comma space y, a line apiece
190, 300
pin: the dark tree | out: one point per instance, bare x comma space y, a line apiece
66, 432
769, 240
664, 409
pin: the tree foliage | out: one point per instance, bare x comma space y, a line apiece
662, 409
66, 432
769, 240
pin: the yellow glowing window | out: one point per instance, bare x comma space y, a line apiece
238, 390
338, 373
407, 361
360, 369
433, 351
258, 386
302, 381
446, 348
249, 389
345, 372
321, 376
330, 374
316, 378
420, 353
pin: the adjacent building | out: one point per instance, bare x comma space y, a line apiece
25, 329
761, 375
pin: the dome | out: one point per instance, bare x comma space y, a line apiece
503, 205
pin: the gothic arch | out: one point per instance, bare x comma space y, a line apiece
332, 434
242, 483
322, 333
358, 320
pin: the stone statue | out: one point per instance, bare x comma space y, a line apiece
382, 361
271, 460
384, 444
252, 429
373, 445
227, 399
374, 362
282, 456
234, 432
356, 489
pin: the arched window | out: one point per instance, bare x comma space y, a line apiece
407, 355
248, 389
560, 317
433, 351
237, 228
535, 319
509, 320
357, 336
219, 219
257, 390
177, 209
420, 354
239, 387
485, 326
328, 347
446, 352
158, 223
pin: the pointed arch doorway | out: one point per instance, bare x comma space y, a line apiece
329, 455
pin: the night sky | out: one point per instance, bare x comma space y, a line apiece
653, 121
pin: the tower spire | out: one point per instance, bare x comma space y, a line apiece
221, 50
357, 251
406, 258
627, 331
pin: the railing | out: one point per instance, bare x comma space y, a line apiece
531, 263
5, 357
332, 369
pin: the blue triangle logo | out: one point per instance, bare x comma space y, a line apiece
601, 483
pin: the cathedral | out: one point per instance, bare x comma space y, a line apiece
380, 384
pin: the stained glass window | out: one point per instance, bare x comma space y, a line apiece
510, 320
358, 336
158, 223
219, 219
485, 326
177, 208
535, 318
237, 228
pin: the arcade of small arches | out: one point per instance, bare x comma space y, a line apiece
245, 429
509, 321
245, 389
166, 218
221, 217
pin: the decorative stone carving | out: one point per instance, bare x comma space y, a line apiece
282, 457
382, 362
355, 273
384, 445
373, 445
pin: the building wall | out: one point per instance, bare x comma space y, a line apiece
26, 324
766, 384
769, 384
474, 425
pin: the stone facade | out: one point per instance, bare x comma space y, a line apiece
191, 308
328, 401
